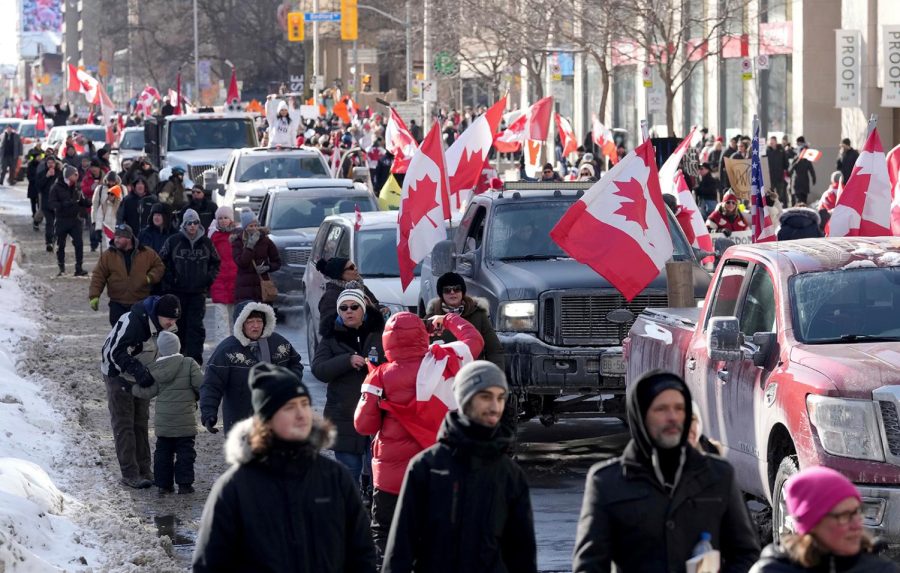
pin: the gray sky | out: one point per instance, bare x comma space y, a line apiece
8, 32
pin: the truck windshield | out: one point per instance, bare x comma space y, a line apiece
95, 134
132, 140
376, 254
220, 133
847, 305
254, 168
30, 130
299, 212
522, 232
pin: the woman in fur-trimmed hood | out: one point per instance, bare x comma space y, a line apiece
282, 506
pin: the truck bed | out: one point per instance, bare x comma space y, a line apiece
659, 338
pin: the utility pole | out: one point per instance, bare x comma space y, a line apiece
408, 53
426, 41
315, 89
196, 56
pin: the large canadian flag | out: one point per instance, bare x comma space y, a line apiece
399, 142
510, 140
893, 166
566, 135
603, 138
82, 82
619, 226
467, 156
538, 125
146, 99
667, 173
864, 207
424, 205
690, 219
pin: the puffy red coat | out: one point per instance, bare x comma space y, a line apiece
405, 343
222, 289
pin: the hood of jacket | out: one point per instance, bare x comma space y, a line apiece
636, 422
167, 367
404, 338
237, 445
243, 310
800, 217
470, 305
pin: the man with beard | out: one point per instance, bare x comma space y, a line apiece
647, 509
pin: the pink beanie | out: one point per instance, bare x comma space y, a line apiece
813, 493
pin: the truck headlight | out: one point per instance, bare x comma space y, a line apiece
847, 428
518, 316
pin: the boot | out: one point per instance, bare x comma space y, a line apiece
62, 271
79, 272
49, 248
136, 482
185, 488
165, 490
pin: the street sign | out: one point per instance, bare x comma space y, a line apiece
296, 83
429, 90
647, 74
320, 82
445, 63
747, 68
364, 56
323, 16
762, 62
409, 111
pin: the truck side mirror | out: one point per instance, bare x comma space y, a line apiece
724, 339
766, 343
467, 263
442, 258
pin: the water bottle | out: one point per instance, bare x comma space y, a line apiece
373, 355
704, 545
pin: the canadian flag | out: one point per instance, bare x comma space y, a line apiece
603, 138
467, 156
335, 160
626, 209
811, 154
763, 226
424, 205
538, 124
893, 167
399, 142
357, 223
864, 207
690, 219
40, 124
510, 139
566, 135
146, 99
80, 81
667, 173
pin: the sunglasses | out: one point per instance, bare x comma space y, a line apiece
731, 202
192, 223
345, 307
452, 289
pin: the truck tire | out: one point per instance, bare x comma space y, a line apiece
781, 522
310, 336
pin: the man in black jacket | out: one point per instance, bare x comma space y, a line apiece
67, 201
282, 506
10, 151
646, 510
192, 264
465, 505
778, 164
803, 174
129, 347
253, 341
846, 160
707, 191
136, 208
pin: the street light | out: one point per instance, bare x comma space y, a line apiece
406, 24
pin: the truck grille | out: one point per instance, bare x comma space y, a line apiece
196, 171
891, 421
296, 256
582, 318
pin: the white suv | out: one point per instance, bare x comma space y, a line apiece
249, 173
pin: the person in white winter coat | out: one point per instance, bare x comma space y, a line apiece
284, 122
105, 205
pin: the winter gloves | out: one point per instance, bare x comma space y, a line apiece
144, 379
262, 269
95, 303
210, 425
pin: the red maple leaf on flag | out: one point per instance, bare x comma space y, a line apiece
421, 201
636, 209
469, 162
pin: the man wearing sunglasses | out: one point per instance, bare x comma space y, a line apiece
728, 217
192, 264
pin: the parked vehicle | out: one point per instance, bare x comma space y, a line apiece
293, 214
249, 173
794, 361
560, 323
373, 247
30, 134
57, 136
130, 146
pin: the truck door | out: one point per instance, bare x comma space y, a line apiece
701, 374
469, 244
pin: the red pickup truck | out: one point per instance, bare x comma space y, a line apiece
794, 361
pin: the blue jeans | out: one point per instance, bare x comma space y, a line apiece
707, 206
353, 463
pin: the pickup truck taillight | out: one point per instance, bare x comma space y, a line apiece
846, 428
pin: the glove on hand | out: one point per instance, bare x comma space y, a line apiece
210, 425
95, 303
262, 269
144, 379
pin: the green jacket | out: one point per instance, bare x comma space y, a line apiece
476, 312
176, 389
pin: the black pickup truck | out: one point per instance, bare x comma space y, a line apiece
561, 324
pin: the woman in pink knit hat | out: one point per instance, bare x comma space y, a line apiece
826, 509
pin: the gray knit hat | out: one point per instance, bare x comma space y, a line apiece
168, 343
475, 377
69, 171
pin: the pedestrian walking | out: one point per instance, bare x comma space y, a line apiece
136, 207
32, 162
127, 270
846, 159
647, 509
255, 255
340, 274
342, 360
176, 387
105, 205
192, 264
222, 290
282, 506
10, 152
778, 165
159, 229
204, 206
707, 191
828, 534
93, 178
173, 192
67, 203
51, 175
253, 341
129, 347
803, 174
464, 504
387, 406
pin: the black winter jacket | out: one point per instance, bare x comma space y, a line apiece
229, 366
464, 506
191, 265
135, 211
331, 365
775, 560
803, 173
45, 183
845, 163
131, 339
66, 201
290, 509
799, 223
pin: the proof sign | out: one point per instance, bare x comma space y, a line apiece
890, 95
849, 69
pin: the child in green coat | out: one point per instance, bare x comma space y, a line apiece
176, 387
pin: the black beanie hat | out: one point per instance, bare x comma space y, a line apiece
168, 306
272, 387
450, 279
333, 268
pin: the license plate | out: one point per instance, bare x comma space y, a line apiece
612, 365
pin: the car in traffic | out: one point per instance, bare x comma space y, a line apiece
250, 172
57, 136
373, 247
130, 146
293, 213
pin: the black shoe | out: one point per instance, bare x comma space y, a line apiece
165, 490
61, 272
136, 482
81, 273
93, 249
184, 488
35, 228
49, 248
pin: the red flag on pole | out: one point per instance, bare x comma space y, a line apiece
177, 102
864, 207
399, 142
233, 94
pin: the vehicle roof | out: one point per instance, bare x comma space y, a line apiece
299, 185
200, 116
11, 120
280, 150
370, 219
807, 255
135, 128
81, 127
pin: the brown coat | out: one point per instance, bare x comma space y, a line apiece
246, 283
123, 287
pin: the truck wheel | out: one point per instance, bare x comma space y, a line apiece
781, 521
310, 336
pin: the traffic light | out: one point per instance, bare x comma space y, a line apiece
295, 26
348, 20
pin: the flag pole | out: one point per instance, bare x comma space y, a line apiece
873, 121
645, 131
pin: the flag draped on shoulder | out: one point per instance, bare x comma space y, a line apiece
466, 157
625, 208
424, 205
864, 207
760, 214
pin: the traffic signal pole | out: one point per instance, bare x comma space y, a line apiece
315, 89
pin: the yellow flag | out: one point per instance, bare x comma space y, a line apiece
389, 198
